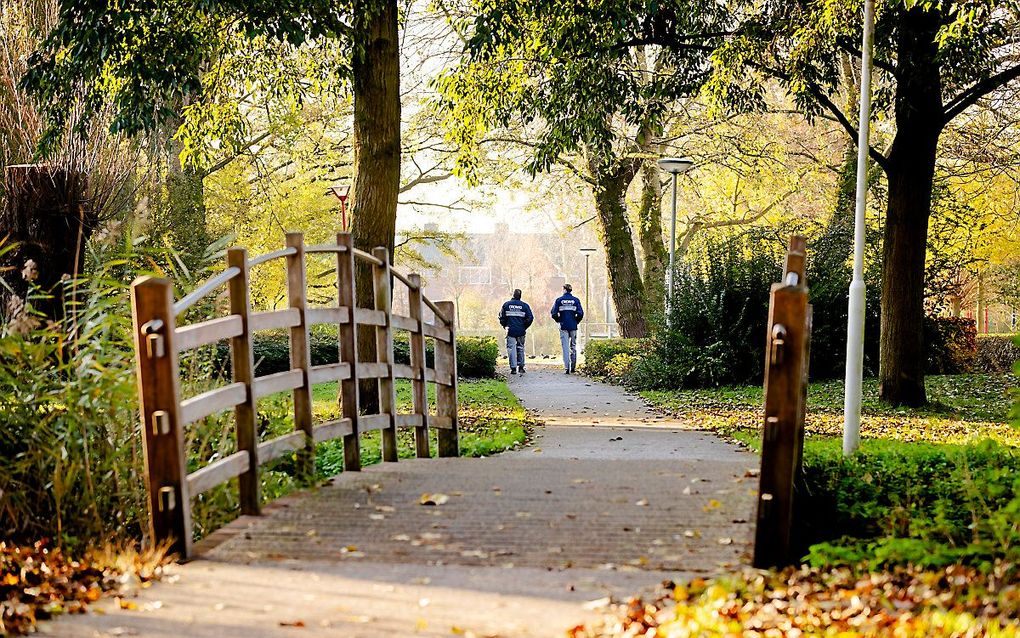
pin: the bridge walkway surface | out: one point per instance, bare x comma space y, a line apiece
610, 499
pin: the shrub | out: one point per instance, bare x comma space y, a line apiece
718, 318
476, 357
996, 353
598, 353
951, 343
910, 502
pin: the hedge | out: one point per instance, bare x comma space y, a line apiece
610, 358
996, 353
476, 356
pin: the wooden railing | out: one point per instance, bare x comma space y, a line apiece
165, 414
787, 352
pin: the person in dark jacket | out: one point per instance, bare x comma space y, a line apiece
516, 317
567, 312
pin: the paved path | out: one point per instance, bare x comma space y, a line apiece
521, 543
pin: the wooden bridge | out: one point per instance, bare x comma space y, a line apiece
165, 413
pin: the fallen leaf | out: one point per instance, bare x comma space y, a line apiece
433, 499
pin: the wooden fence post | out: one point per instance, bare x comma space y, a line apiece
159, 395
348, 336
446, 395
419, 386
384, 350
243, 371
785, 392
300, 355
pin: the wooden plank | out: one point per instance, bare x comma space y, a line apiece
300, 355
368, 317
384, 351
197, 294
785, 361
274, 319
325, 248
275, 448
328, 315
348, 337
419, 370
212, 402
243, 371
200, 334
329, 372
402, 371
261, 259
373, 370
363, 256
367, 423
332, 430
404, 323
437, 332
219, 472
438, 376
278, 382
407, 420
159, 400
446, 394
441, 422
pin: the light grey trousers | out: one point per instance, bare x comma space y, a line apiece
568, 341
515, 351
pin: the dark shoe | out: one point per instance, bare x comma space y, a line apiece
521, 370
512, 371
566, 372
573, 371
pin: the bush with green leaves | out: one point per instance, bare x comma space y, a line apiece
996, 352
718, 317
476, 357
599, 355
895, 502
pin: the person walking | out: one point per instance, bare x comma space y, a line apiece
567, 312
516, 317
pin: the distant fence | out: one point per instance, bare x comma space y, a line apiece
165, 415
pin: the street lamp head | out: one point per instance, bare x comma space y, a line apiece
676, 165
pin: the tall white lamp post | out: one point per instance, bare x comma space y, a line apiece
587, 252
855, 318
674, 166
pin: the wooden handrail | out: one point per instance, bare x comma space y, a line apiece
165, 414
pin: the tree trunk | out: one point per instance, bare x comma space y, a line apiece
655, 256
621, 262
46, 217
376, 71
910, 170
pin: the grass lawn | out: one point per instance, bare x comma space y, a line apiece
491, 420
963, 408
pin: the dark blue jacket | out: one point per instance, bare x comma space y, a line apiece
516, 317
567, 311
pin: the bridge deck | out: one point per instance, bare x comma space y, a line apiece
522, 540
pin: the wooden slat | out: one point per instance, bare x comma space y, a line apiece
300, 353
211, 402
243, 370
446, 393
403, 371
363, 256
419, 388
438, 311
444, 378
373, 422
261, 259
404, 323
199, 334
347, 335
275, 448
278, 382
332, 430
441, 422
325, 248
335, 316
274, 319
217, 473
407, 420
329, 372
384, 352
439, 332
373, 370
405, 279
367, 317
194, 296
